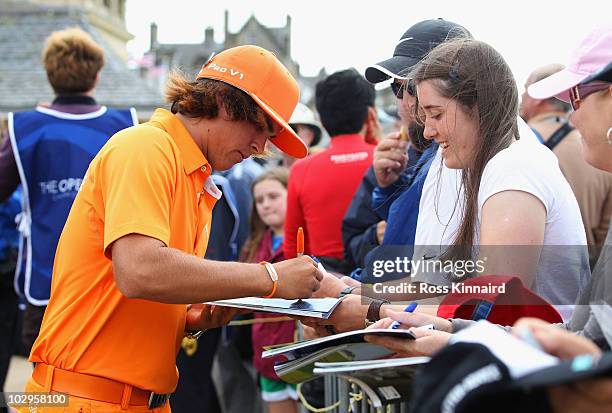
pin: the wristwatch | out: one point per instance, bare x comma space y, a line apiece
374, 309
346, 291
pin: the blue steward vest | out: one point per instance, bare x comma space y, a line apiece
52, 151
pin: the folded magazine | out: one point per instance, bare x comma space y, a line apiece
308, 307
299, 358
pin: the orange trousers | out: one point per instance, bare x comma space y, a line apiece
80, 405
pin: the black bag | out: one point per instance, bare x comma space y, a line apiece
558, 135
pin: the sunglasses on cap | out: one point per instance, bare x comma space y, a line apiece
398, 86
579, 92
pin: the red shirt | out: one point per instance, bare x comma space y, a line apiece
321, 188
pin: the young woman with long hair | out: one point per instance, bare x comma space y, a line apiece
265, 244
517, 209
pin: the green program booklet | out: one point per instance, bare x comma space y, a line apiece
299, 358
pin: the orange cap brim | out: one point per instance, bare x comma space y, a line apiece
286, 140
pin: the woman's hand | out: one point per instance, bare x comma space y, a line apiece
554, 340
417, 319
427, 342
589, 396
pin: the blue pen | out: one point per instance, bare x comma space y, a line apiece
319, 264
409, 309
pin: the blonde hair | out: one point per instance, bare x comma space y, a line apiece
72, 60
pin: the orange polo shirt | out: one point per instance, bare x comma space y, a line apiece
150, 179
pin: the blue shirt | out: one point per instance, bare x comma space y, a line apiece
9, 235
277, 241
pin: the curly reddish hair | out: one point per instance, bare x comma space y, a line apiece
201, 99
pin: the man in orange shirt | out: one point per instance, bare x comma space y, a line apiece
128, 260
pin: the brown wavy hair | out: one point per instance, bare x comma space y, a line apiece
475, 75
202, 98
257, 226
72, 60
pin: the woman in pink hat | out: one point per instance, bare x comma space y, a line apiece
587, 84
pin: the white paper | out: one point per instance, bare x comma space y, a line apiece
520, 357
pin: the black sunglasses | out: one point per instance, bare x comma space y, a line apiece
398, 86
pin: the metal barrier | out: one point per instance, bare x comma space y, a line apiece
348, 397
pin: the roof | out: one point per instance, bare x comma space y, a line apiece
278, 35
188, 57
23, 82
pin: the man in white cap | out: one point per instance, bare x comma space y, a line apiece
305, 123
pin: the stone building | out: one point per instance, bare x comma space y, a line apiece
24, 25
189, 57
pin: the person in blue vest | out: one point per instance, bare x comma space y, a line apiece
9, 301
48, 151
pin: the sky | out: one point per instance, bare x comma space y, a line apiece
337, 34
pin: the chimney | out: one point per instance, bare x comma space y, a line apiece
209, 36
226, 24
288, 35
153, 36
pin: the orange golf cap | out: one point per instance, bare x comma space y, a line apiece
258, 73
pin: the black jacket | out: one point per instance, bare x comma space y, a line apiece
359, 223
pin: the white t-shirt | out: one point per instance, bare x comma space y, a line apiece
528, 166
441, 205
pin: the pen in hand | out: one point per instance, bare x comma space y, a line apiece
300, 242
409, 309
